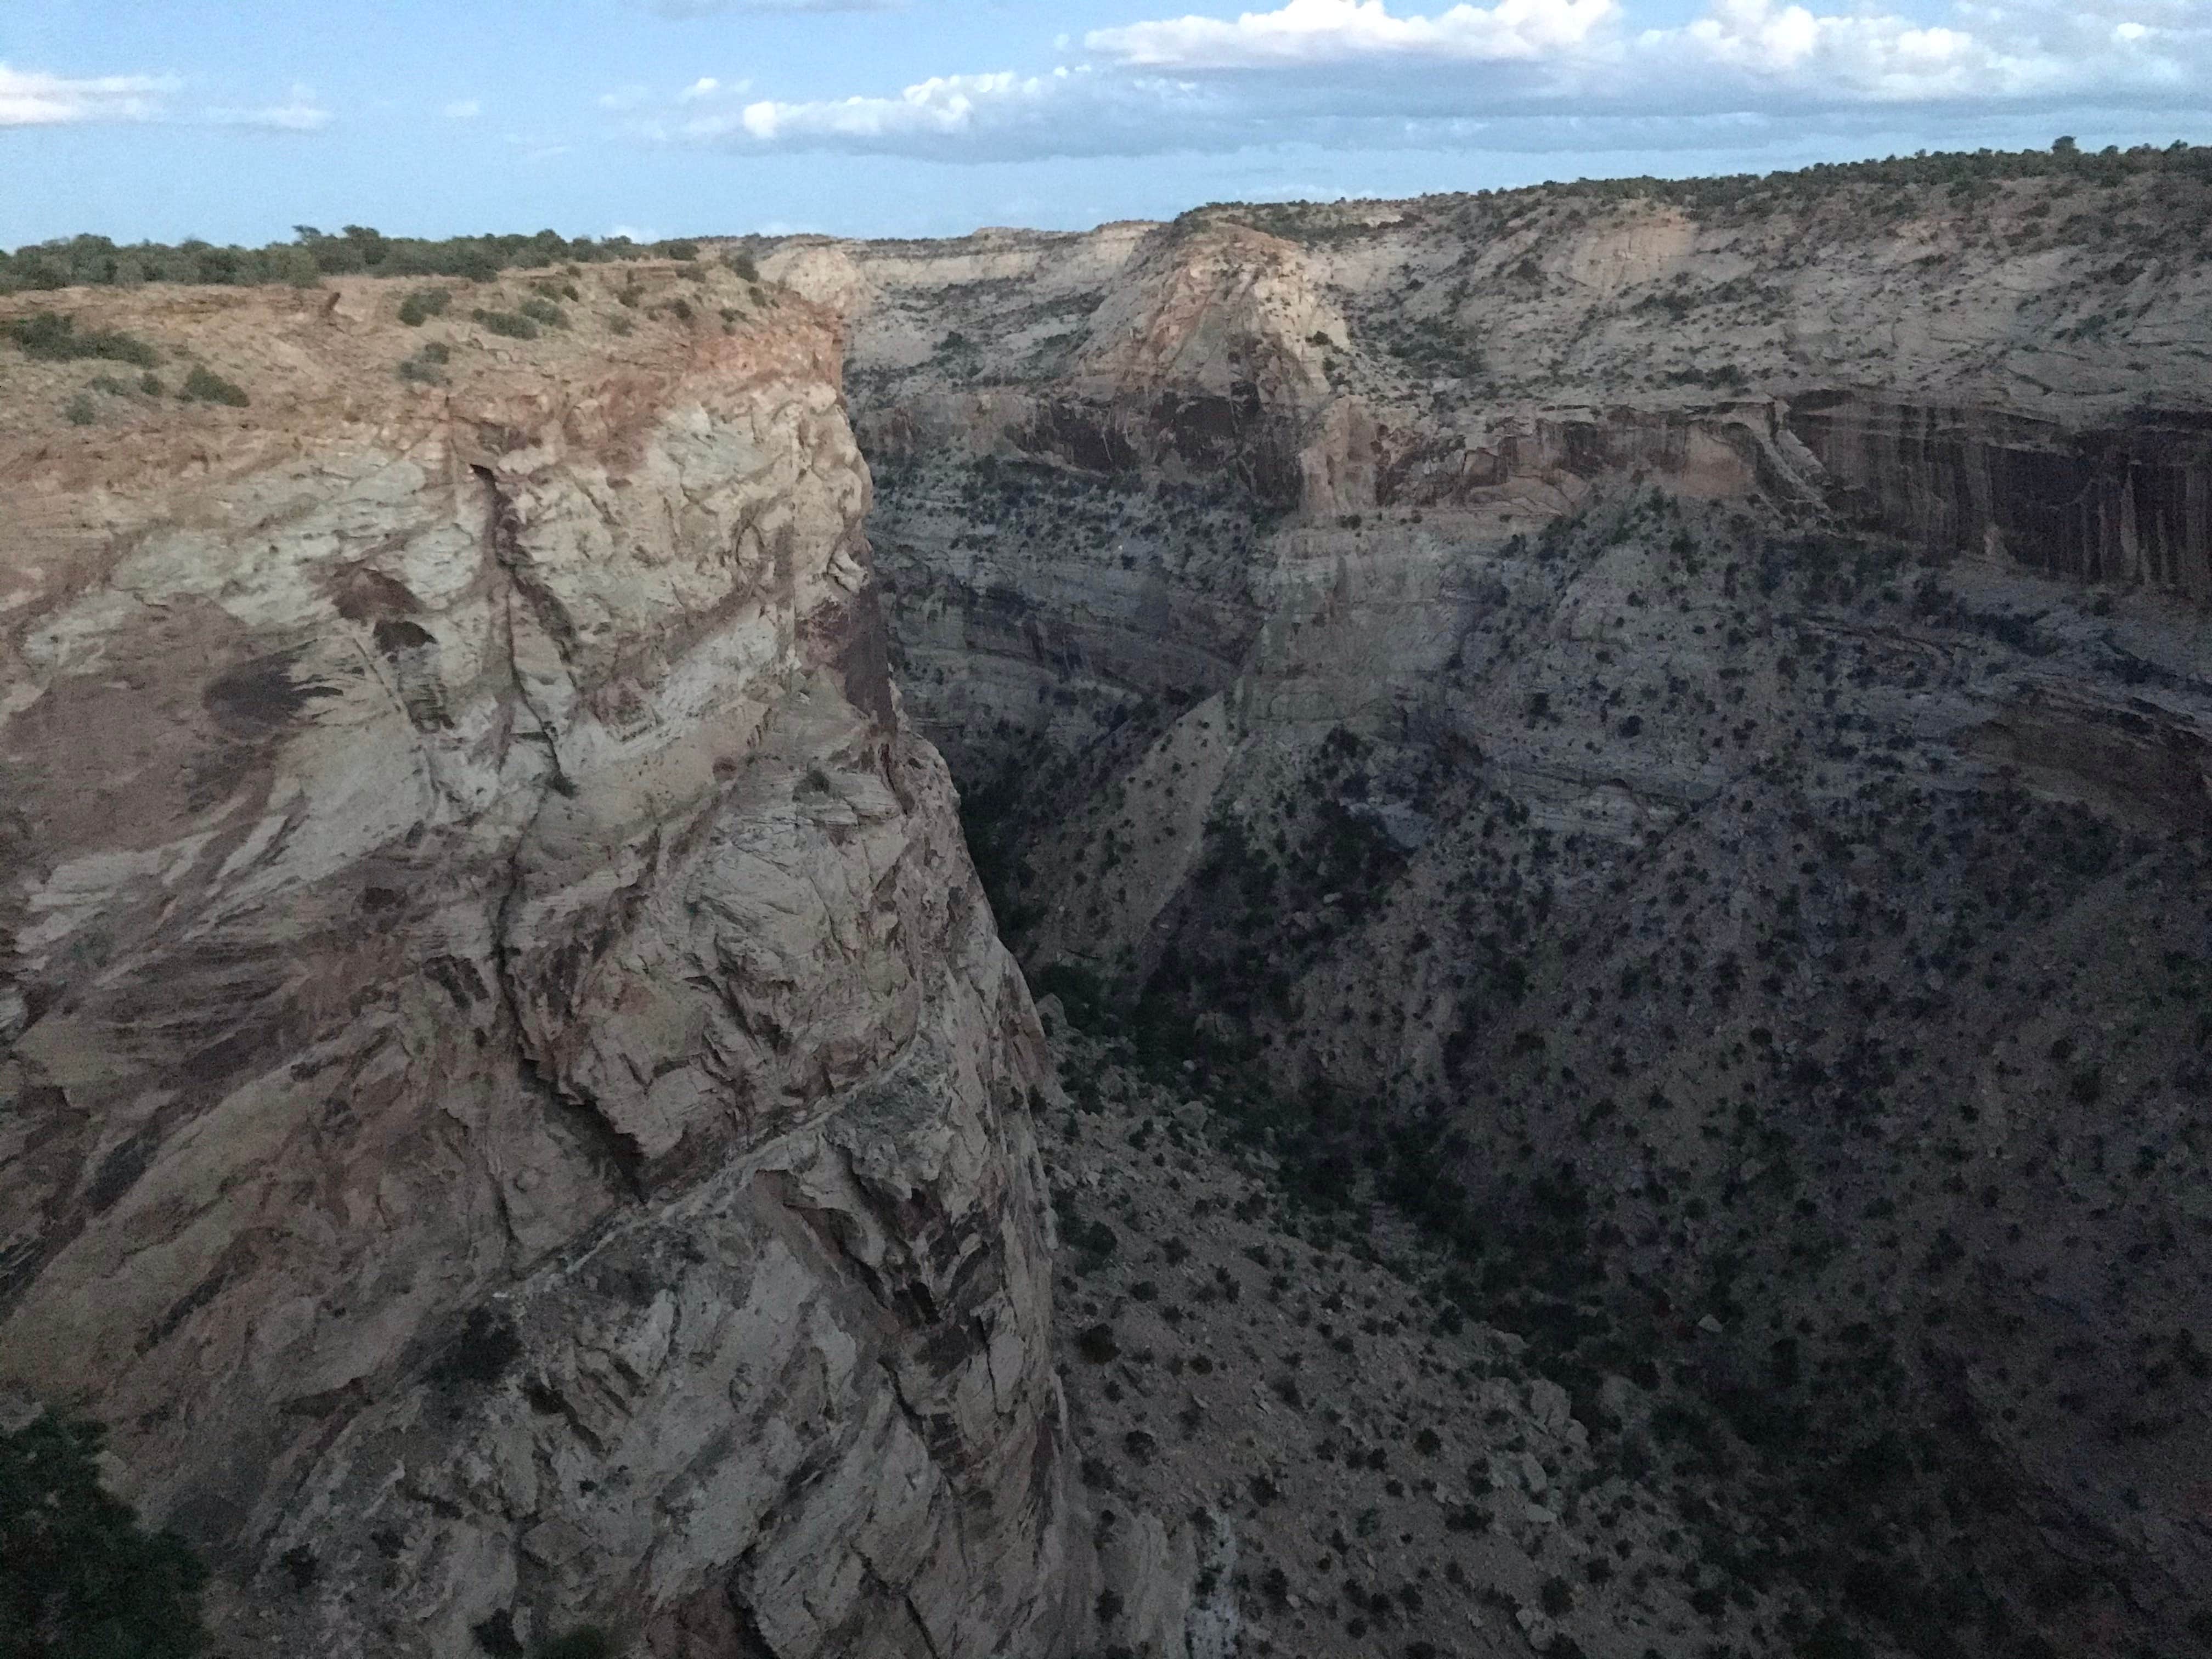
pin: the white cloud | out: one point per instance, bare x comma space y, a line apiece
533, 147
1001, 116
1740, 50
1341, 31
464, 109
1527, 75
947, 105
30, 98
301, 111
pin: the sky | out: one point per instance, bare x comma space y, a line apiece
167, 118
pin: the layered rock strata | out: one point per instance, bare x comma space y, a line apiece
515, 1109
1904, 351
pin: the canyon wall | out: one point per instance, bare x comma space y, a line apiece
1667, 736
515, 1109
2010, 373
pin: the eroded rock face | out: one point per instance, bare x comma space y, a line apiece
2129, 504
515, 1107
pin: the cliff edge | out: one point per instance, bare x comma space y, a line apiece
515, 1109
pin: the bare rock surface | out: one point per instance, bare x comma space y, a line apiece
513, 1103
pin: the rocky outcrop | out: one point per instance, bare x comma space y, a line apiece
515, 1109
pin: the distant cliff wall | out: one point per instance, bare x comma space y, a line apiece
2129, 503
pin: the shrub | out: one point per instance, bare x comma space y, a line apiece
1434, 344
743, 265
545, 312
515, 327
57, 338
205, 386
79, 410
77, 1575
424, 303
584, 1642
1095, 1240
424, 367
487, 1346
150, 385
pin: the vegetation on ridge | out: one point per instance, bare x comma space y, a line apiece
97, 262
1965, 175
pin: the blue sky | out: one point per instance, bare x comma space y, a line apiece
237, 121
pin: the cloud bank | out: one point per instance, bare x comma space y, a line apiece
1524, 75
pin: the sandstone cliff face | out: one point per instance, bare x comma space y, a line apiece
2128, 505
1680, 738
515, 1105
1449, 350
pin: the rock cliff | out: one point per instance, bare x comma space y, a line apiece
1666, 734
515, 1105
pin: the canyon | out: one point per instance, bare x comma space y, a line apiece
1603, 792
1662, 732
